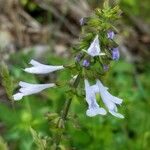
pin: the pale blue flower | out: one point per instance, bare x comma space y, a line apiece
109, 100
39, 68
94, 49
29, 89
93, 107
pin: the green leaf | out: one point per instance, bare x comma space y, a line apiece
40, 143
6, 80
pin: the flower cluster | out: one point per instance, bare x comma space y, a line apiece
109, 100
38, 68
94, 50
93, 54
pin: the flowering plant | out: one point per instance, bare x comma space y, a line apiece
92, 57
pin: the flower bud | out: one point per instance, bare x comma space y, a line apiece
82, 21
110, 35
115, 53
86, 63
79, 57
105, 67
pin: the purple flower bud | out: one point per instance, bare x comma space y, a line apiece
115, 53
78, 57
86, 63
110, 35
105, 67
82, 21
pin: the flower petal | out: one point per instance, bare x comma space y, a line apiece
115, 53
94, 108
34, 63
35, 88
109, 100
94, 49
28, 89
96, 88
17, 96
94, 112
117, 100
25, 84
106, 94
43, 69
39, 68
118, 115
110, 34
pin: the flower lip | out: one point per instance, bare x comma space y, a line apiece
18, 96
95, 111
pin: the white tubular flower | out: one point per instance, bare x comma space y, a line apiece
94, 108
94, 49
28, 89
109, 100
39, 68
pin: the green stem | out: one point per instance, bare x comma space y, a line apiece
64, 113
66, 109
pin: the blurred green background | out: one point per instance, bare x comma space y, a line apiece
45, 30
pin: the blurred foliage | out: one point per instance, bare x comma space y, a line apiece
34, 10
130, 7
134, 7
3, 145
